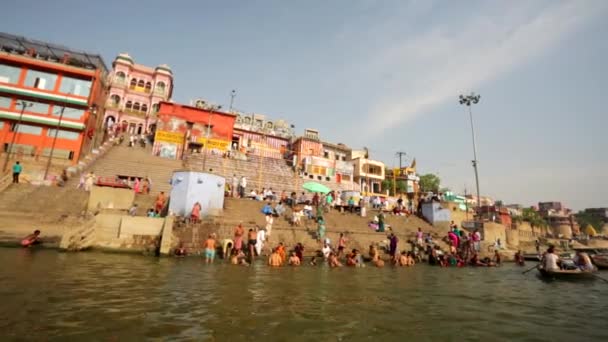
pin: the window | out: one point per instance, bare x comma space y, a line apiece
115, 99
75, 86
133, 83
129, 105
141, 84
160, 87
120, 77
9, 73
325, 154
5, 102
136, 106
68, 113
35, 107
58, 153
27, 129
20, 148
148, 86
155, 108
40, 80
69, 135
319, 170
144, 108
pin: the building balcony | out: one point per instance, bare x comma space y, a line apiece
119, 84
158, 92
141, 90
134, 112
112, 105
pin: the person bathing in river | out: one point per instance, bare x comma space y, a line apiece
519, 258
496, 259
180, 251
373, 253
333, 260
294, 260
251, 242
275, 259
210, 249
341, 244
238, 237
31, 240
299, 250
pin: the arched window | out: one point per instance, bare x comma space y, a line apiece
133, 82
136, 106
155, 108
129, 105
160, 87
115, 100
141, 83
144, 108
120, 77
148, 87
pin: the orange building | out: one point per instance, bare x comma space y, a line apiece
181, 127
51, 98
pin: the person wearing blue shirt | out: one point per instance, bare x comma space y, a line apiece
16, 172
267, 210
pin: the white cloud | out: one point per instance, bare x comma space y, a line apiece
435, 66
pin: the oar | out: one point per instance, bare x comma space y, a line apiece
530, 269
598, 277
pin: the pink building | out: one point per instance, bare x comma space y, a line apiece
135, 91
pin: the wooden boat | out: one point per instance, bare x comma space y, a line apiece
566, 274
600, 260
531, 257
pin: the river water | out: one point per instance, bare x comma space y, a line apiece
47, 295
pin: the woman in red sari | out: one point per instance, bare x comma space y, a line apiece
195, 216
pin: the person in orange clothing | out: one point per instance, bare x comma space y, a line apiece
281, 252
160, 202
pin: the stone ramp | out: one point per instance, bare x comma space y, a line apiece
134, 162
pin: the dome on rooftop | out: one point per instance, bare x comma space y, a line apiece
125, 57
165, 68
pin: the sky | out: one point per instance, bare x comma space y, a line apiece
383, 74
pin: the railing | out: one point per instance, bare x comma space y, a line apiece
134, 112
120, 84
112, 105
140, 89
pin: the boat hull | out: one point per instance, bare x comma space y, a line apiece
600, 261
566, 274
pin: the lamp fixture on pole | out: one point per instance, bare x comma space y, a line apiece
469, 100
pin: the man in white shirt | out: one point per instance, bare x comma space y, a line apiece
326, 250
260, 239
550, 260
235, 185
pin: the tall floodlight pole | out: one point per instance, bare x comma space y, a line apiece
232, 96
211, 109
469, 100
24, 105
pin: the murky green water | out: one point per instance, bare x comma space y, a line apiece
47, 295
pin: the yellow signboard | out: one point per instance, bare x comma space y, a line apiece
170, 137
216, 144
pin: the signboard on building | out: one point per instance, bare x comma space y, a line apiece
344, 168
215, 144
169, 137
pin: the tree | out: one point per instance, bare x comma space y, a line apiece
429, 182
533, 217
584, 219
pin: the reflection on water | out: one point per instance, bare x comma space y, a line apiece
46, 294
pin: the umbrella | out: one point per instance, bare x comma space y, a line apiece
315, 187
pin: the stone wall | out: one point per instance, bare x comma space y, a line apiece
105, 197
123, 232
